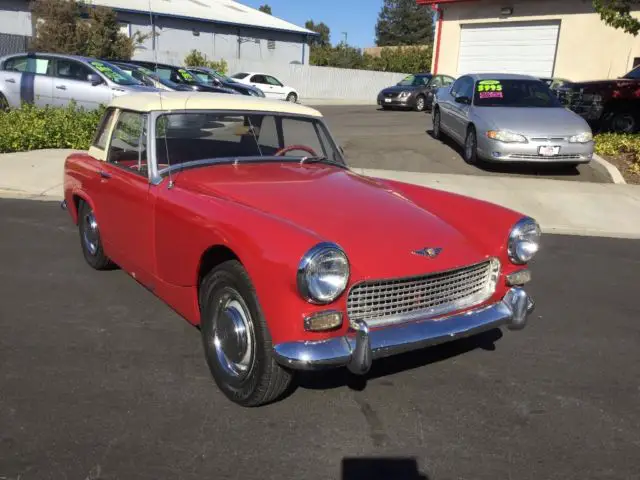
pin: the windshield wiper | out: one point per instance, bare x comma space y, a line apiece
322, 159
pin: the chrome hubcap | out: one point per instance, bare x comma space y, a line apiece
420, 103
233, 336
90, 233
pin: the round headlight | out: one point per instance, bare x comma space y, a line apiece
524, 240
323, 273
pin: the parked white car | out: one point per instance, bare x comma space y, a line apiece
270, 85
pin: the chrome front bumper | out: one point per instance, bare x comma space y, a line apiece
361, 346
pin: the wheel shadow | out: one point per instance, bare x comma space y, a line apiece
341, 377
523, 168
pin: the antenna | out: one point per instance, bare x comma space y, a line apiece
155, 60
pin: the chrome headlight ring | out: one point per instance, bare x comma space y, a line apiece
524, 240
323, 273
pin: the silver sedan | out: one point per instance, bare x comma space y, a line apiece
510, 118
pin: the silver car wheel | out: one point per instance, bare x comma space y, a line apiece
420, 103
91, 235
233, 335
436, 124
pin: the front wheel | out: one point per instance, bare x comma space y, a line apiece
236, 339
90, 239
4, 104
437, 132
421, 103
292, 97
471, 147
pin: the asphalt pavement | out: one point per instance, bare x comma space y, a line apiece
100, 380
401, 140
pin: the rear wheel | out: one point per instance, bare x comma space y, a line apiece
623, 121
236, 339
4, 104
90, 239
292, 97
471, 147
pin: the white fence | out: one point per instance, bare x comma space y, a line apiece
324, 83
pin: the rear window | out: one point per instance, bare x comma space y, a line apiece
240, 76
514, 93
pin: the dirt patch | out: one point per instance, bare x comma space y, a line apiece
624, 163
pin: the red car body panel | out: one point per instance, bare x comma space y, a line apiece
269, 215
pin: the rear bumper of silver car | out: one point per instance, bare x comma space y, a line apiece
362, 345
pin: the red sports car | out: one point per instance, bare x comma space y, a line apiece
241, 214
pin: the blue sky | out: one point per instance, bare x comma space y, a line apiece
356, 17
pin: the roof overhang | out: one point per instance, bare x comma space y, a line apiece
439, 2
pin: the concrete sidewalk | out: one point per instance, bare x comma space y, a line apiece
567, 207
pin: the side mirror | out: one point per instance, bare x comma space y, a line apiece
463, 100
94, 79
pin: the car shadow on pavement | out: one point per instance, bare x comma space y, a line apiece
531, 169
381, 468
337, 378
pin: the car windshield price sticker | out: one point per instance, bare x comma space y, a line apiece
489, 89
186, 75
108, 72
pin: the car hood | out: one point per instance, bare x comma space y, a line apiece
398, 89
377, 227
533, 121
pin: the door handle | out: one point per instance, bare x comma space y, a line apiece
61, 87
10, 80
104, 174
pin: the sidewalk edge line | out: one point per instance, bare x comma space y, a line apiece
608, 169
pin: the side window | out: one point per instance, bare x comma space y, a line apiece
16, 64
128, 146
466, 89
273, 81
436, 82
457, 86
100, 140
29, 64
72, 70
446, 81
258, 79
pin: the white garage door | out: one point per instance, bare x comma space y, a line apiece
526, 48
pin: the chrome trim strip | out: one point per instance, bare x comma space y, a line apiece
361, 346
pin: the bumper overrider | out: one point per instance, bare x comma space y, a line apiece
362, 345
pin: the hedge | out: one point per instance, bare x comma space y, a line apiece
615, 144
33, 128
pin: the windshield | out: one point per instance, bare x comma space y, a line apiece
634, 74
414, 81
514, 93
192, 136
115, 74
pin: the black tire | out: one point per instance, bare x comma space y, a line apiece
245, 371
471, 147
623, 121
385, 107
437, 128
421, 103
90, 240
4, 104
292, 97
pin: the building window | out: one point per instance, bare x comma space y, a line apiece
271, 44
125, 28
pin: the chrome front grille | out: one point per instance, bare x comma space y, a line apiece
527, 156
383, 302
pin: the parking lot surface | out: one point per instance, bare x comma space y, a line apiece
100, 380
401, 140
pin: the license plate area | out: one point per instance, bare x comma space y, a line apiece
387, 100
548, 150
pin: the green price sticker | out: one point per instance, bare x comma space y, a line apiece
108, 72
186, 75
489, 86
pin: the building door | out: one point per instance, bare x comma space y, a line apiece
527, 48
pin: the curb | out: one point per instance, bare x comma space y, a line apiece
607, 169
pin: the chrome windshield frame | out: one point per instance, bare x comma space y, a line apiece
156, 175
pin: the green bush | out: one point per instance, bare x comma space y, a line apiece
615, 144
197, 59
400, 60
34, 128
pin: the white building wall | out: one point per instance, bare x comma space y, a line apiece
15, 18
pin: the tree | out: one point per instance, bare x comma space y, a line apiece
265, 8
617, 14
404, 22
61, 28
324, 37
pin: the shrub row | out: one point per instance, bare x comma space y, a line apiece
614, 144
33, 128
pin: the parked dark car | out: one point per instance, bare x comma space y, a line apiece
179, 75
608, 105
413, 92
151, 78
212, 77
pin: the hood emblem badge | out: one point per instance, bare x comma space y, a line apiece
429, 252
